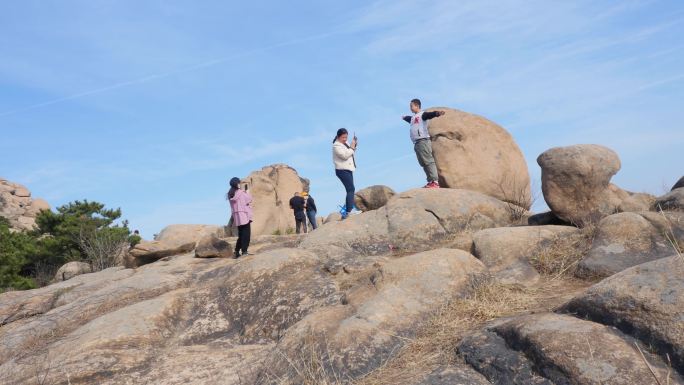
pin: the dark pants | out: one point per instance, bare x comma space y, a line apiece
347, 178
312, 219
244, 235
301, 223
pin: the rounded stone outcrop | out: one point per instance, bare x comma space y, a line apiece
576, 182
373, 197
271, 189
474, 153
17, 206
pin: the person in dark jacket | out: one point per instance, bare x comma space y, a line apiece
310, 210
297, 204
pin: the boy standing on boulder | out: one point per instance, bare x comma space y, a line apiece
421, 140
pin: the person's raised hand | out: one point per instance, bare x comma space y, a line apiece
441, 113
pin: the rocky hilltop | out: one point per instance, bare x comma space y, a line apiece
425, 287
18, 207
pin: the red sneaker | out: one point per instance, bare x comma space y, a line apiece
432, 185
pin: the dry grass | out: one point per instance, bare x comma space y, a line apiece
561, 257
437, 339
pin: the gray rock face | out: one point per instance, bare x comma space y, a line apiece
373, 197
672, 201
646, 301
413, 221
488, 353
679, 184
18, 207
506, 251
454, 375
576, 184
628, 239
558, 349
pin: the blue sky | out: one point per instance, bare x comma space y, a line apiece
152, 106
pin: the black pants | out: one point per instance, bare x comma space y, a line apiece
347, 178
301, 223
244, 235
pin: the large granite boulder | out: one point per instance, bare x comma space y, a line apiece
18, 207
373, 197
576, 184
624, 240
646, 301
176, 235
271, 188
558, 349
415, 220
474, 153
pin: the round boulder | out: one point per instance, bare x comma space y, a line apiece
72, 269
474, 153
576, 182
373, 197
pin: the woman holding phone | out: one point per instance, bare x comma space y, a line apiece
241, 207
345, 165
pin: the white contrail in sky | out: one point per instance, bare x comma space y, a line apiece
148, 78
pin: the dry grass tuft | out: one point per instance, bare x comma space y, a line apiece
561, 257
437, 339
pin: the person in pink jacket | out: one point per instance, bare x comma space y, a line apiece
241, 206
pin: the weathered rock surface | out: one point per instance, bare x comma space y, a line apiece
559, 349
150, 251
212, 247
184, 320
474, 153
373, 197
374, 320
628, 239
17, 206
576, 184
271, 188
71, 269
506, 251
454, 375
646, 301
672, 201
177, 235
413, 221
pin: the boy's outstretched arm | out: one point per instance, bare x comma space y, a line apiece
432, 114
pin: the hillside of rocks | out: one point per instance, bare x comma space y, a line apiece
17, 205
459, 285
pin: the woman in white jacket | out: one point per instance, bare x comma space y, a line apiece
345, 165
